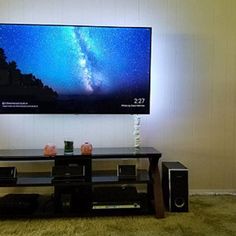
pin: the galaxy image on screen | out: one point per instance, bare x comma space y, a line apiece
74, 69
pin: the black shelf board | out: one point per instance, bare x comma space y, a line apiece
45, 209
28, 179
98, 177
110, 176
98, 153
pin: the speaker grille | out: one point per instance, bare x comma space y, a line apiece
175, 186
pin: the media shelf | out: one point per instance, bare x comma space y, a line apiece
110, 176
82, 190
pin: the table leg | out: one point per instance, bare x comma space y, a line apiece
157, 188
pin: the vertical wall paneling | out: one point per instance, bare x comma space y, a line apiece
193, 85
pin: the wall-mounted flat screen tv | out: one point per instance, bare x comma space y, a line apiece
68, 69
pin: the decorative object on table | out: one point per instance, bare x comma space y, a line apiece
50, 150
86, 148
68, 147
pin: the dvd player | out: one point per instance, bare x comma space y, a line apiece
115, 197
115, 205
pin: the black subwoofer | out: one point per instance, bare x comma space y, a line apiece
175, 186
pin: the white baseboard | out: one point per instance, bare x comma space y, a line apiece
212, 192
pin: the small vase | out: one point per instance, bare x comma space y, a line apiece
50, 150
68, 147
86, 148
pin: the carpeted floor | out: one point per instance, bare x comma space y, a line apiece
208, 215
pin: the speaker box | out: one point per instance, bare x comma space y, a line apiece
175, 186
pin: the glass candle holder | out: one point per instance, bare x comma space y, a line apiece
68, 147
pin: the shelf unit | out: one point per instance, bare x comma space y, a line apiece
150, 177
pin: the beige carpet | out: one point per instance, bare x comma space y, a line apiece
208, 215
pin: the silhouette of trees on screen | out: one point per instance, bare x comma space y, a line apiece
11, 78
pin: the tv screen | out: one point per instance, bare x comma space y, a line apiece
60, 69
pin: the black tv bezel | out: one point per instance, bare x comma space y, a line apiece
88, 113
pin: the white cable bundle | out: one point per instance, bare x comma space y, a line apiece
137, 138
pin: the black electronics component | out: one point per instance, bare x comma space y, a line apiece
175, 186
126, 172
116, 197
68, 170
72, 199
71, 192
8, 175
68, 173
19, 204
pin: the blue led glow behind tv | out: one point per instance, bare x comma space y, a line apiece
55, 69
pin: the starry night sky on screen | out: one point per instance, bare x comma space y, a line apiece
81, 60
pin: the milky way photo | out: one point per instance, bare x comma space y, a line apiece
77, 61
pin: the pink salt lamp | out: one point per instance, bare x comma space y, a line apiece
50, 150
86, 148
